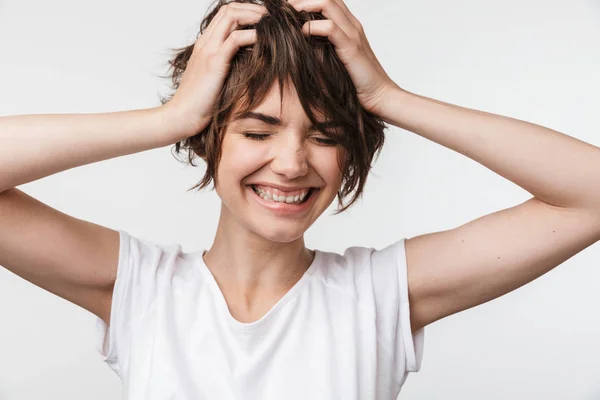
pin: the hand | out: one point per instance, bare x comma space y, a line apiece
346, 34
209, 65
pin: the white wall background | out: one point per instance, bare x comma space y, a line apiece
530, 59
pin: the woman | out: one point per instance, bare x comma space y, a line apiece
284, 130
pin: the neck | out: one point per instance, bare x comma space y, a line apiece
244, 262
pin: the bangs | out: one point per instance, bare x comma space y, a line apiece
284, 54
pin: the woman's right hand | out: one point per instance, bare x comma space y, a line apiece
209, 64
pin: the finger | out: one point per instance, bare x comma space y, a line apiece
231, 19
329, 29
234, 42
335, 10
207, 34
248, 6
223, 10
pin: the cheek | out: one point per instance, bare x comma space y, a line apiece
238, 160
325, 161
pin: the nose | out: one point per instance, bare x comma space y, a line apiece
290, 159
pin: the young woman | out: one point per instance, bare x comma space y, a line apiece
286, 104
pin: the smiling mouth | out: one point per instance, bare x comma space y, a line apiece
299, 198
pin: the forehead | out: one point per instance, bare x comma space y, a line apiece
285, 107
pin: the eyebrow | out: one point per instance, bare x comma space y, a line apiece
271, 120
267, 119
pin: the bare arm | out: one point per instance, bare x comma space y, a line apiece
557, 169
69, 257
35, 146
72, 258
453, 270
76, 259
460, 268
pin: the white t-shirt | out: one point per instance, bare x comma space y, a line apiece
341, 332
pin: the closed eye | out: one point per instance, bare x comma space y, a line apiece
256, 136
326, 141
262, 136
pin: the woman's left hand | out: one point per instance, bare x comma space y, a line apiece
346, 34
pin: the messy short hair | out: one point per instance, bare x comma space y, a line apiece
282, 52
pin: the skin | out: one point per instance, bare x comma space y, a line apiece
460, 268
456, 269
448, 271
257, 254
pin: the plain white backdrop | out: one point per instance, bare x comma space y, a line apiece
530, 59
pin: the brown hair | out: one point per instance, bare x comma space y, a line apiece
321, 81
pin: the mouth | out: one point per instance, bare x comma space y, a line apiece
295, 197
288, 202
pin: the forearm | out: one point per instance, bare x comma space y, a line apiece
35, 146
555, 168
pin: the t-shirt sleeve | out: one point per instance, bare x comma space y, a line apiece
390, 286
141, 268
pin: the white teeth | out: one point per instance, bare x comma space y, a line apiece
265, 194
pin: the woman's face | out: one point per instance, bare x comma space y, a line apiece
277, 174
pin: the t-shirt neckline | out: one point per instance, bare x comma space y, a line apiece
289, 295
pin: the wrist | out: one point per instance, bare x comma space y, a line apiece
178, 125
390, 104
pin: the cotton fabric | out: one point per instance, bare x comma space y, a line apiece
341, 332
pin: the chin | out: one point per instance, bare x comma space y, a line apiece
279, 235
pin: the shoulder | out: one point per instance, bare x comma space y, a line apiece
360, 258
361, 265
147, 265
